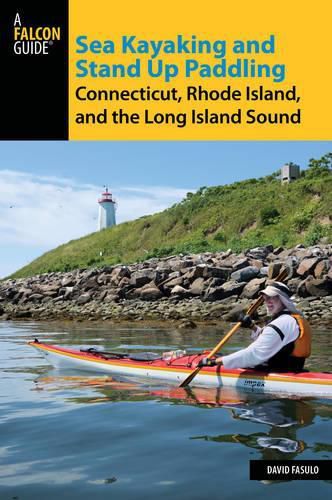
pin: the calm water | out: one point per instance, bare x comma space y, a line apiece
69, 435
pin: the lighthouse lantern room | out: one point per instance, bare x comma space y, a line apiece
106, 210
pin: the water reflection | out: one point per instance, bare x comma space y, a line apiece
283, 416
276, 420
91, 389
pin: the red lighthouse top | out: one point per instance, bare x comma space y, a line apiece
106, 197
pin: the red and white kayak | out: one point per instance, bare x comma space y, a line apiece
176, 369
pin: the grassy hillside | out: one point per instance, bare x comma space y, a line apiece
240, 215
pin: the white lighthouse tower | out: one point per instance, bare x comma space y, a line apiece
106, 216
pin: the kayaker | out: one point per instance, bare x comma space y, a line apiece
282, 345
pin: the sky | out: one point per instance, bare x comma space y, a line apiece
49, 190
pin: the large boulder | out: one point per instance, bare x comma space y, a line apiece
240, 264
171, 283
195, 272
25, 292
317, 252
322, 268
300, 252
36, 297
87, 274
143, 276
67, 292
264, 271
178, 264
293, 284
292, 264
231, 260
307, 266
104, 278
51, 287
68, 281
284, 254
125, 282
111, 297
197, 286
172, 275
180, 292
131, 293
10, 293
252, 289
319, 287
256, 263
302, 289
259, 253
83, 299
215, 282
217, 272
106, 269
245, 274
150, 292
164, 266
51, 293
271, 257
118, 273
214, 293
232, 288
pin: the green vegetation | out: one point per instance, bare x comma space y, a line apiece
269, 215
240, 215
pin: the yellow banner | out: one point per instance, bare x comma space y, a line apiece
200, 71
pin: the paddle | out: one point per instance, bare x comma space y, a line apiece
281, 276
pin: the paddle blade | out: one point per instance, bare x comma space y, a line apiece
190, 377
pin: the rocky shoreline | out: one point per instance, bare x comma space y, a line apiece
186, 289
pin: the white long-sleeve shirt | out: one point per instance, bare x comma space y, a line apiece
266, 344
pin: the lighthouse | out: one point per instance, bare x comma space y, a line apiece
106, 216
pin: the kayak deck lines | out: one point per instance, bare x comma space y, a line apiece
177, 369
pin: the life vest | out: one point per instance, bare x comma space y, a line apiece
302, 345
291, 356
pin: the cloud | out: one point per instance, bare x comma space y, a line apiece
46, 211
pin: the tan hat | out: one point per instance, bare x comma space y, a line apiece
277, 289
282, 291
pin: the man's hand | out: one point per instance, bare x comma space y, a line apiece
206, 362
247, 322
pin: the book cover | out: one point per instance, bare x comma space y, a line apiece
160, 163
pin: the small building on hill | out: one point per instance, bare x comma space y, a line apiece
290, 173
